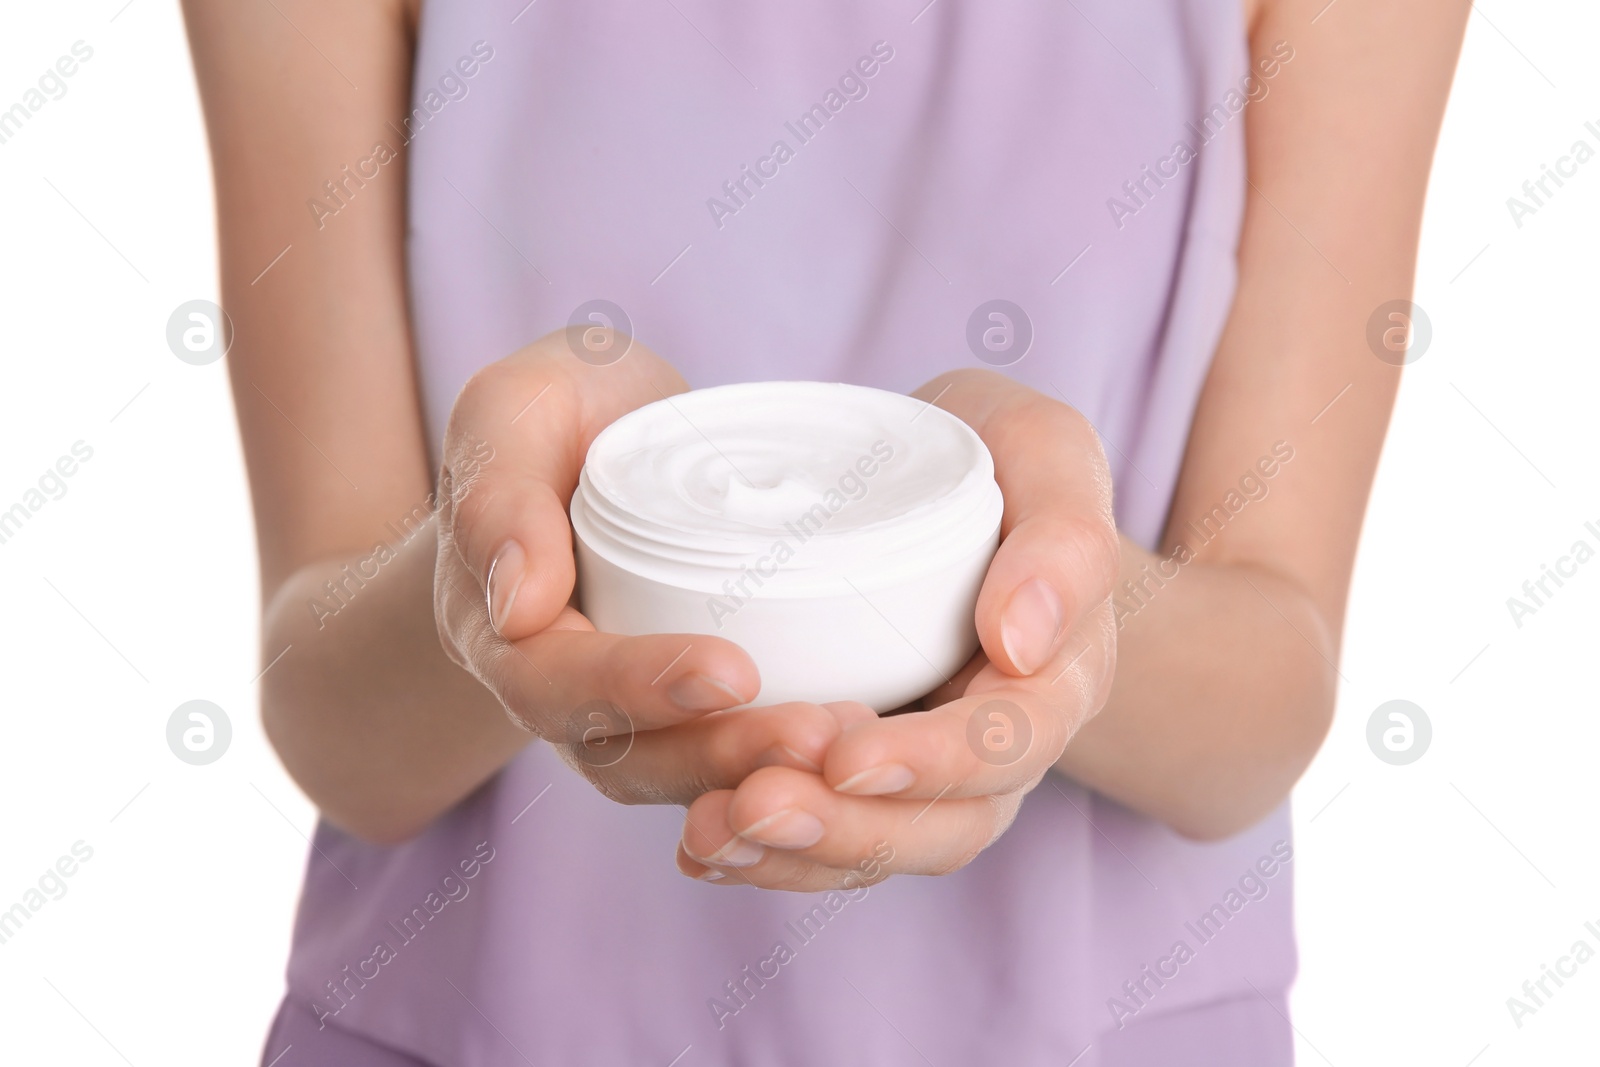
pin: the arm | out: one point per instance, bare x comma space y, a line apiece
1226, 681
367, 712
393, 707
1223, 682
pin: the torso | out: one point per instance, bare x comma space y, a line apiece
585, 161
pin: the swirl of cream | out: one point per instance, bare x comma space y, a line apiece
822, 486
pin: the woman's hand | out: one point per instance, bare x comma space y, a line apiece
932, 789
629, 713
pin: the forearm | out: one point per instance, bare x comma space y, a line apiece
371, 718
1225, 680
1223, 692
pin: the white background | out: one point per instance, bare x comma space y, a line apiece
1427, 894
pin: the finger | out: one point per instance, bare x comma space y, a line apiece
997, 742
550, 683
510, 534
741, 863
693, 868
572, 678
533, 415
1077, 680
678, 764
799, 876
1059, 551
503, 518
1002, 735
798, 823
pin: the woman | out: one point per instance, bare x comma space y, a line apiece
1193, 208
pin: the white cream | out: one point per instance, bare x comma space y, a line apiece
838, 534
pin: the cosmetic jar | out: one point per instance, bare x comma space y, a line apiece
838, 534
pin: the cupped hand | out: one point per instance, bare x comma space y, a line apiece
925, 792
632, 714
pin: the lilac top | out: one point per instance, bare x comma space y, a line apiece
823, 191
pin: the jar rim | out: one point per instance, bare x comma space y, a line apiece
733, 443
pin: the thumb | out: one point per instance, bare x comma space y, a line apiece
1059, 551
513, 451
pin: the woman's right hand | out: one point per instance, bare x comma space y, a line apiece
632, 714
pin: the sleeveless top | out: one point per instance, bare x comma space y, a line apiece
827, 191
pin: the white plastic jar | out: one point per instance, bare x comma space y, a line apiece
838, 534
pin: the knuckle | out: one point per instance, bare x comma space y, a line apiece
1098, 544
471, 406
996, 818
465, 461
1066, 422
487, 384
692, 787
791, 879
473, 507
682, 784
1082, 430
487, 658
956, 862
983, 827
447, 642
857, 878
1090, 553
1105, 627
445, 496
447, 622
608, 785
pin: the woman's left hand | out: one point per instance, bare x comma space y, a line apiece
925, 792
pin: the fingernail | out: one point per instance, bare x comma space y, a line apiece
710, 874
736, 853
1030, 625
505, 578
698, 692
877, 781
789, 828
